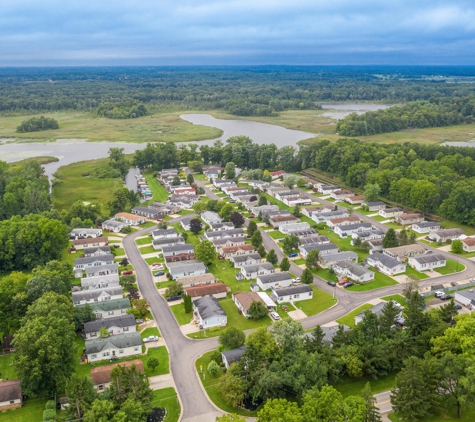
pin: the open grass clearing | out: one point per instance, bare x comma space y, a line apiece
275, 234
321, 300
354, 386
147, 250
154, 259
380, 280
299, 261
161, 353
179, 312
450, 268
398, 298
144, 241
151, 331
7, 370
160, 194
167, 398
416, 275
349, 319
32, 410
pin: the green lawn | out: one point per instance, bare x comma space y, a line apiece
211, 385
69, 257
31, 411
299, 261
200, 176
398, 298
353, 386
450, 268
6, 367
343, 244
119, 251
275, 234
160, 194
284, 314
154, 259
144, 241
162, 284
416, 275
167, 398
349, 319
179, 312
325, 274
379, 218
394, 226
151, 331
147, 249
321, 300
444, 416
380, 280
115, 240
433, 244
465, 254
161, 353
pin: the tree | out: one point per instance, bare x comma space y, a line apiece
262, 200
261, 250
187, 303
196, 225
301, 183
205, 251
55, 276
200, 191
200, 206
103, 332
190, 179
142, 306
83, 314
456, 246
230, 417
285, 264
130, 383
290, 243
45, 354
81, 393
288, 334
412, 237
266, 219
371, 192
372, 413
237, 219
127, 280
257, 310
232, 338
307, 276
313, 259
390, 239
296, 211
133, 293
256, 239
251, 228
213, 368
272, 257
176, 181
174, 289
290, 181
152, 363
120, 200
403, 237
280, 410
233, 387
230, 170
226, 212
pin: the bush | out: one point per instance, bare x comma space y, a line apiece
50, 404
126, 230
49, 415
36, 124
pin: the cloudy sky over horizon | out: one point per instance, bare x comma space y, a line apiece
231, 32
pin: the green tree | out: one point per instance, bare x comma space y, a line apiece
196, 225
262, 200
230, 417
290, 181
313, 259
142, 307
237, 219
226, 212
296, 211
127, 280
103, 332
256, 239
371, 192
83, 314
200, 206
288, 334
307, 276
412, 238
81, 393
251, 228
55, 276
390, 239
45, 354
200, 191
372, 413
266, 219
190, 179
205, 251
272, 257
152, 363
403, 237
456, 246
261, 250
257, 310
233, 386
120, 200
230, 170
213, 368
285, 264
232, 338
187, 303
290, 243
280, 410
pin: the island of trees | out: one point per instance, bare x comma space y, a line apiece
36, 124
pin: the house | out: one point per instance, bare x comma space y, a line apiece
81, 264
292, 293
222, 234
302, 233
185, 223
177, 249
263, 209
130, 219
85, 233
402, 253
209, 313
184, 269
89, 296
11, 396
377, 310
221, 226
243, 260
165, 233
328, 260
277, 174
259, 184
408, 219
274, 191
102, 270
211, 174
322, 248
286, 229
294, 200
116, 325
182, 202
101, 375
368, 235
375, 245
386, 264
390, 212
353, 271
228, 251
101, 282
228, 190
334, 222
341, 194
279, 221
468, 244
196, 280
164, 209
253, 271
216, 290
119, 346
220, 183
210, 217
445, 235
89, 243
355, 199
113, 225
148, 212
184, 191
227, 241
244, 300
267, 282
323, 217
313, 239
374, 206
231, 356
328, 333
327, 189
427, 262
466, 298
97, 251
179, 258
349, 229
254, 287
167, 241
277, 213
110, 308
426, 227
309, 211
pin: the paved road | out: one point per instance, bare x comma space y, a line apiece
383, 401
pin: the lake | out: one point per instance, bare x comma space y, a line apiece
340, 111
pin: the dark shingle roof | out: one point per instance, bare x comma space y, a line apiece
209, 307
272, 278
119, 321
110, 305
292, 290
120, 341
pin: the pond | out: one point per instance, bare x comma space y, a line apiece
340, 111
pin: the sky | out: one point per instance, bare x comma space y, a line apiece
236, 32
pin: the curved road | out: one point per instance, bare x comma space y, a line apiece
184, 351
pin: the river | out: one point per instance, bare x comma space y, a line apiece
340, 111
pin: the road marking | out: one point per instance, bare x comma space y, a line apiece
382, 402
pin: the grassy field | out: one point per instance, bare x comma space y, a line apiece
143, 241
6, 368
151, 331
179, 312
353, 386
160, 194
380, 280
450, 268
444, 416
76, 125
398, 298
321, 300
167, 398
147, 250
32, 410
161, 353
349, 319
416, 275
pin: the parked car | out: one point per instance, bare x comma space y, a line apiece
457, 306
232, 201
293, 254
116, 246
149, 339
438, 293
157, 266
127, 272
159, 273
275, 315
342, 282
139, 321
331, 283
454, 283
173, 298
445, 297
349, 284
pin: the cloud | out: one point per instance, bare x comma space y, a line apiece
235, 32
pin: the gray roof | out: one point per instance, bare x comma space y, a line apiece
450, 232
224, 240
94, 249
389, 210
313, 239
186, 221
276, 213
208, 307
146, 210
427, 259
469, 294
355, 269
224, 233
372, 204
266, 208
349, 227
163, 232
385, 260
376, 309
223, 181
234, 355
114, 223
329, 332
90, 259
221, 225
110, 305
103, 268
177, 248
256, 267
118, 321
91, 294
292, 290
330, 186
320, 247
244, 258
87, 231
272, 278
369, 233
210, 215
168, 240
185, 266
120, 341
331, 214
340, 256
302, 232
424, 224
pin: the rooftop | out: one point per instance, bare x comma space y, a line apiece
428, 259
340, 256
450, 232
273, 278
110, 305
118, 321
355, 269
208, 307
385, 260
119, 342
10, 390
246, 299
292, 290
128, 216
234, 355
191, 279
101, 374
101, 239
95, 258
206, 289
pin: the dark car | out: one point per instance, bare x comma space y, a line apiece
159, 273
293, 254
116, 246
342, 282
173, 298
331, 283
445, 297
457, 306
127, 272
349, 284
454, 283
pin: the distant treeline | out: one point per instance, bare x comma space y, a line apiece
122, 110
36, 124
244, 91
436, 112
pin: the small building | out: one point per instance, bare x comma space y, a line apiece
244, 300
253, 271
328, 260
292, 293
148, 212
177, 249
196, 280
353, 271
408, 219
259, 184
110, 308
221, 226
390, 212
267, 282
349, 229
341, 194
97, 251
159, 244
119, 346
445, 235
254, 287
322, 248
466, 298
280, 221
90, 243
468, 244
85, 233
355, 199
228, 251
328, 189
82, 297
81, 264
425, 227
101, 282
11, 396
185, 223
165, 233
309, 211
313, 239
184, 269
221, 234
243, 260
386, 264
209, 313
303, 233
375, 245
130, 219
402, 253
277, 174
286, 229
377, 310
231, 356
335, 222
113, 225
107, 269
219, 244
293, 200
323, 217
101, 375
7, 344
210, 217
367, 235
179, 258
216, 290
374, 206
116, 325
427, 262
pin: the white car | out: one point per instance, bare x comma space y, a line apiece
149, 339
275, 315
157, 266
438, 293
